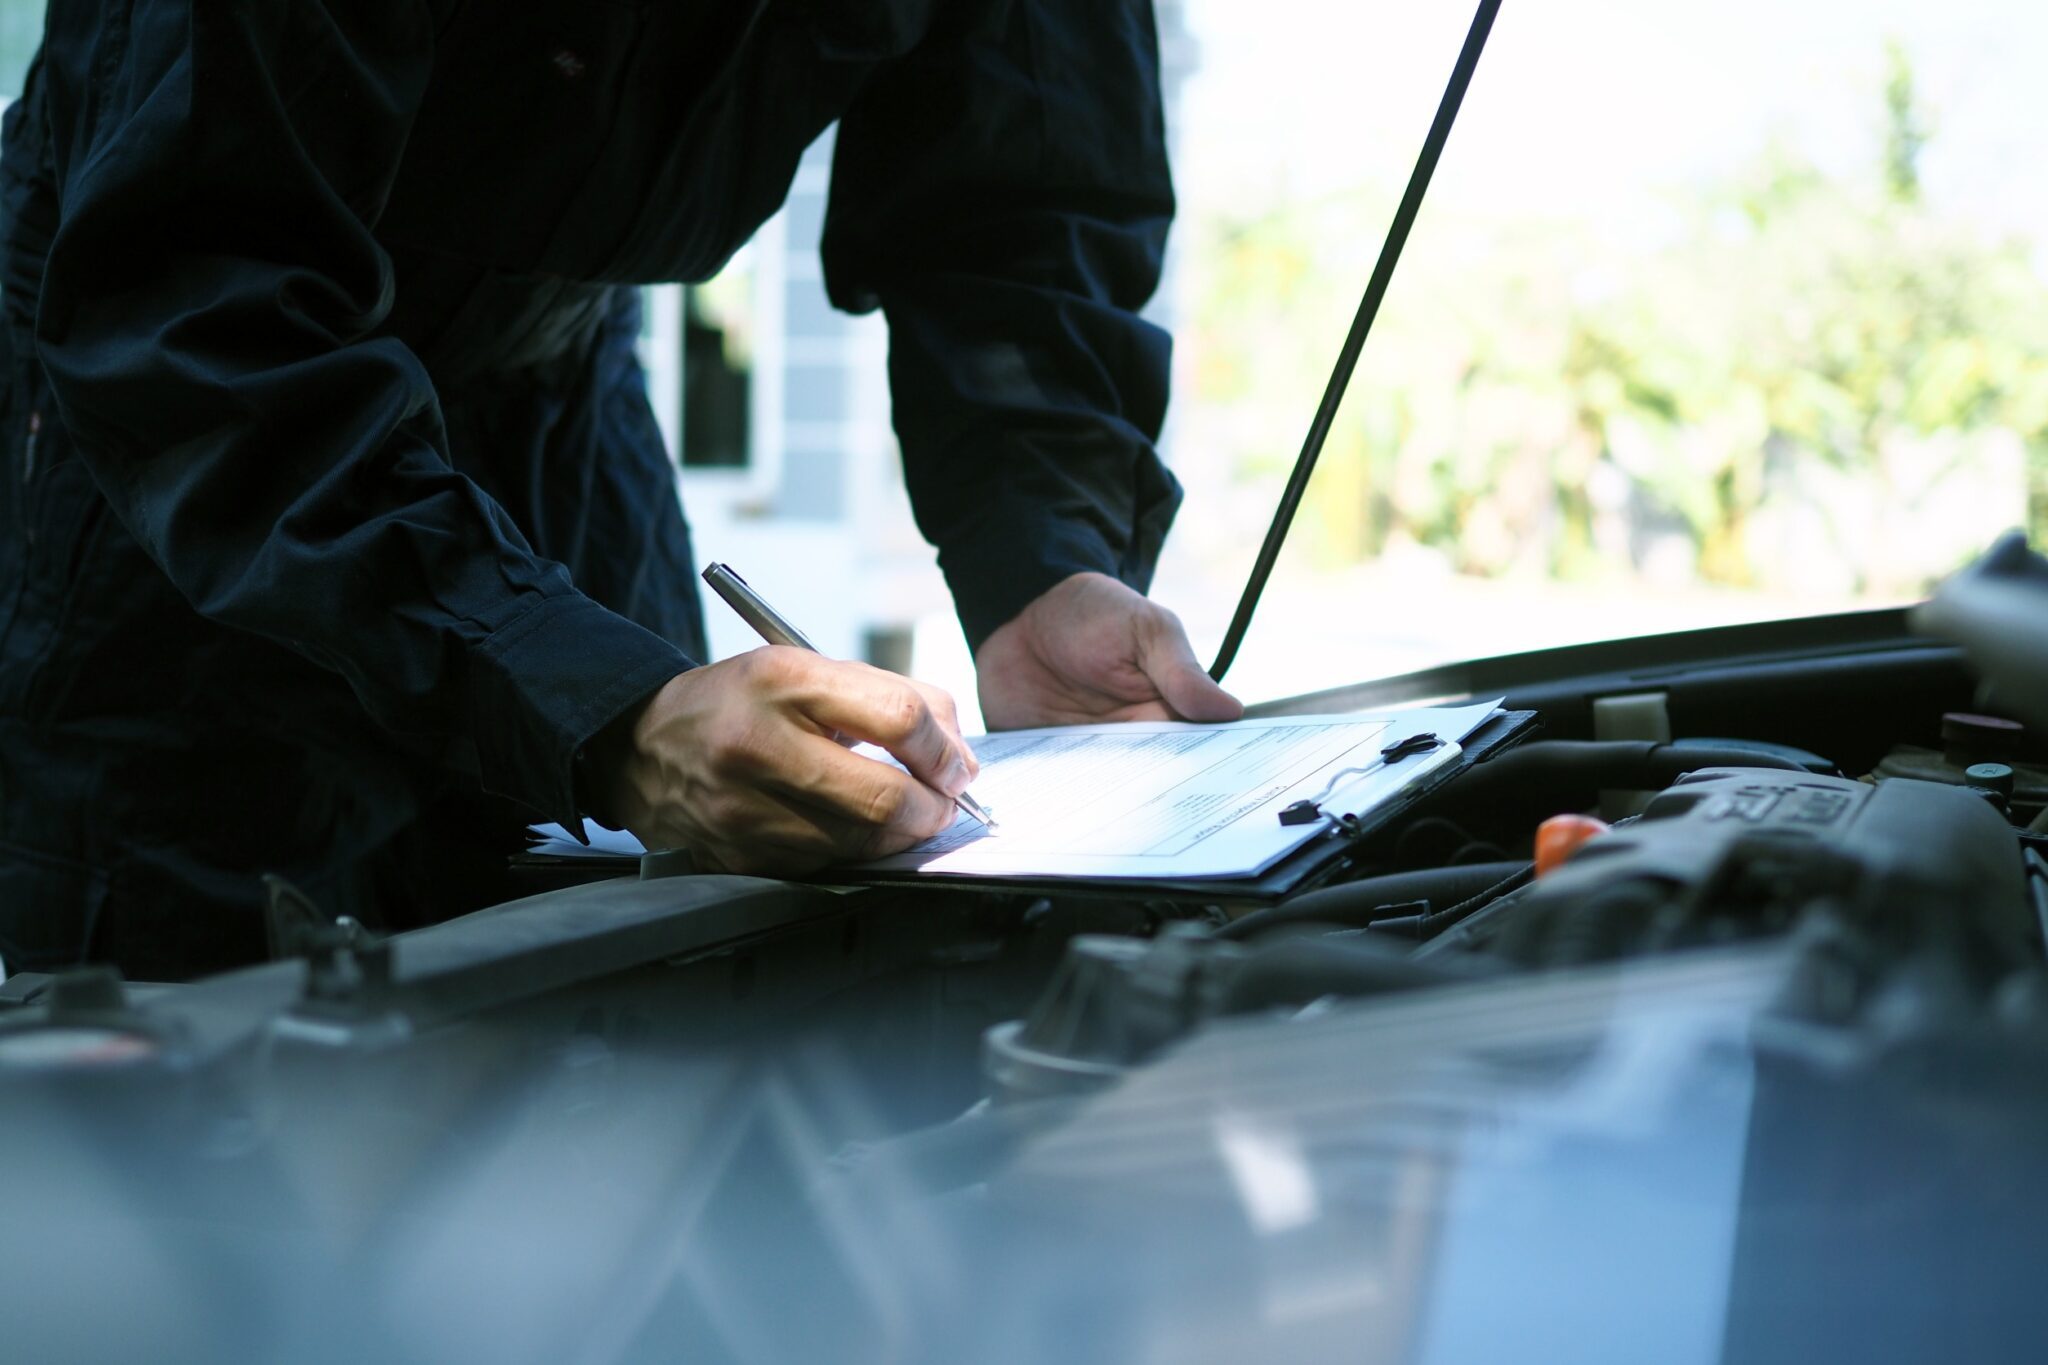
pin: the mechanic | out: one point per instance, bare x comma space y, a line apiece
340, 538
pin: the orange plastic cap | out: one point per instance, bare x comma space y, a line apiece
1559, 837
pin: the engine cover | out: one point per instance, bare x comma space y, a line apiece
1730, 852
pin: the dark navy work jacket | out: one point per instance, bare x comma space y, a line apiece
331, 474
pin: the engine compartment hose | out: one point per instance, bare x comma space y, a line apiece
1353, 903
1609, 765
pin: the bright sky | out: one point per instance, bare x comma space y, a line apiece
1581, 103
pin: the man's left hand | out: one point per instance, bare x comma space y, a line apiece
1090, 649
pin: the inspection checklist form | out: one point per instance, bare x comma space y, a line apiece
1176, 800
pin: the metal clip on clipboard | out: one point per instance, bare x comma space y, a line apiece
1309, 809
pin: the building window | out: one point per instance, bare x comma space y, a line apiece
713, 356
718, 359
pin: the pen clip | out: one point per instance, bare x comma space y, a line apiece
752, 608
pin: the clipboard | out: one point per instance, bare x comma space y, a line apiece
1315, 862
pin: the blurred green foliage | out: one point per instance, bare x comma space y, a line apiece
1801, 383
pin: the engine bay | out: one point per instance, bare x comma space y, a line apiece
1775, 1002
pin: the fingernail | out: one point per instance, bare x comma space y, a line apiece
955, 780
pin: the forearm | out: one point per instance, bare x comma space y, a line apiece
1003, 195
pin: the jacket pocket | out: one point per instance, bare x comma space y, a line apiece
58, 515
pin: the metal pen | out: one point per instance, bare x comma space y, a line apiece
772, 626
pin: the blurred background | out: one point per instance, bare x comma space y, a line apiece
1714, 314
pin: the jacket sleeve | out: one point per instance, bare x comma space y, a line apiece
209, 325
1002, 194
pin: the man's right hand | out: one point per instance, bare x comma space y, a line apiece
742, 763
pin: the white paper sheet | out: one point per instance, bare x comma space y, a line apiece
1162, 801
552, 841
1171, 801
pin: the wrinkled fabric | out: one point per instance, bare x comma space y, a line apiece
335, 513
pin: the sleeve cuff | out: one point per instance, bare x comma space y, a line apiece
1003, 562
547, 683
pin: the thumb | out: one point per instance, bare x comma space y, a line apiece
1184, 685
